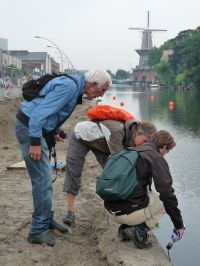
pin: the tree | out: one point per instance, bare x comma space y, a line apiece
122, 74
111, 74
183, 66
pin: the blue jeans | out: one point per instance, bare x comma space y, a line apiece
40, 173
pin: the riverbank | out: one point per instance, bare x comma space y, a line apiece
93, 241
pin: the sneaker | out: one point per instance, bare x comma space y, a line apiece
121, 234
42, 238
69, 219
61, 228
138, 236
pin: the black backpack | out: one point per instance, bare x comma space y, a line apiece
31, 89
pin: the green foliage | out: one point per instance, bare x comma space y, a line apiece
122, 74
179, 79
194, 75
12, 66
182, 67
164, 72
111, 74
154, 56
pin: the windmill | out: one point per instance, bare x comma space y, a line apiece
146, 43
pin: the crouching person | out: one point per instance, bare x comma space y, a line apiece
87, 136
142, 210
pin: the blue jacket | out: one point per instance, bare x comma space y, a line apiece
58, 99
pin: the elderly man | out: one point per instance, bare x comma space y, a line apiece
38, 118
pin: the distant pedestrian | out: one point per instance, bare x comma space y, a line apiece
7, 87
24, 80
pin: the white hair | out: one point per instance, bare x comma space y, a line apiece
99, 76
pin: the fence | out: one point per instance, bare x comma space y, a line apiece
11, 81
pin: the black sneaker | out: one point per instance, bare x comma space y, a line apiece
42, 238
138, 236
61, 228
69, 219
121, 234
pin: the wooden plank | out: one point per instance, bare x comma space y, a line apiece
17, 166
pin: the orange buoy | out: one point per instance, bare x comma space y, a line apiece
152, 98
171, 105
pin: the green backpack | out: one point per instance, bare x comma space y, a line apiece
118, 178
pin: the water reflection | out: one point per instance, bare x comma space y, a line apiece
178, 112
179, 108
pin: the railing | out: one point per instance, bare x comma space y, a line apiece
11, 81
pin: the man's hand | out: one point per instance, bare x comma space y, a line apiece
35, 152
58, 138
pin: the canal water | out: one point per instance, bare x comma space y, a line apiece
179, 113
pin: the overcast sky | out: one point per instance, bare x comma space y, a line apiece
93, 33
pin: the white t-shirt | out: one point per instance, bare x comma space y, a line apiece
88, 130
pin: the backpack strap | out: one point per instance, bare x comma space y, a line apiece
79, 101
140, 149
68, 76
131, 128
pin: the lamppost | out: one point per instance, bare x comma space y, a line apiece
69, 62
49, 46
56, 46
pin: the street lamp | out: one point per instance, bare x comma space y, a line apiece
69, 62
56, 46
49, 46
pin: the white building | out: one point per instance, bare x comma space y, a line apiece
3, 44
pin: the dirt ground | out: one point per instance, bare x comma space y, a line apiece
92, 242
